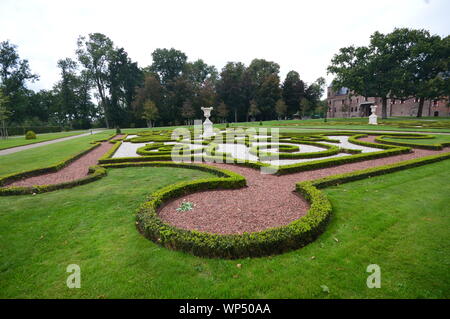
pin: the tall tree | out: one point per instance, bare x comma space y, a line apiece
231, 89
281, 109
150, 112
168, 64
124, 76
94, 54
313, 94
222, 111
253, 110
428, 69
379, 69
187, 112
267, 95
67, 91
293, 90
150, 90
4, 115
14, 74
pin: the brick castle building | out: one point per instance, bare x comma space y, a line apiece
341, 104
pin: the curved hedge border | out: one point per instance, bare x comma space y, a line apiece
329, 151
94, 173
271, 241
267, 242
382, 139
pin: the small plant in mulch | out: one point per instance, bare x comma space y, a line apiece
185, 206
30, 135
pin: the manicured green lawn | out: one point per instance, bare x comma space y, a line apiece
406, 124
399, 221
47, 155
14, 141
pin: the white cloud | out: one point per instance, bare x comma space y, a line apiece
299, 35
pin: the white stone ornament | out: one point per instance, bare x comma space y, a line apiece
207, 124
373, 117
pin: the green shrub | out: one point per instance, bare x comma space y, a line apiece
30, 135
118, 131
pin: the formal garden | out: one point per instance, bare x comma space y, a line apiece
242, 212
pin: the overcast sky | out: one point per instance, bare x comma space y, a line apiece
299, 35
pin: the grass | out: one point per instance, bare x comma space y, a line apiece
48, 154
15, 141
399, 221
406, 124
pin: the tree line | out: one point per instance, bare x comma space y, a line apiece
402, 64
104, 87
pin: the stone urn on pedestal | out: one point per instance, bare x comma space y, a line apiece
373, 117
207, 124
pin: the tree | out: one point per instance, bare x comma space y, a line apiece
281, 109
267, 95
222, 111
428, 69
150, 90
168, 64
150, 112
313, 94
231, 89
14, 74
187, 112
4, 115
293, 90
305, 106
378, 70
94, 54
253, 110
67, 91
265, 86
124, 77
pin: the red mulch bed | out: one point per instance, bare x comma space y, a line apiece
75, 170
268, 201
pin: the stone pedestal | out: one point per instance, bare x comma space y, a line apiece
373, 117
207, 124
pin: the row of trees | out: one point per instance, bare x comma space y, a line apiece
403, 64
103, 86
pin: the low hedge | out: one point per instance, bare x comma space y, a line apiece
376, 171
382, 139
329, 151
95, 173
329, 162
267, 242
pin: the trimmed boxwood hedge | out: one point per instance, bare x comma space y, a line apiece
329, 151
270, 241
376, 171
267, 242
95, 173
382, 139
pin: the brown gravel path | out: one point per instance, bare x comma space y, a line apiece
74, 170
268, 201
